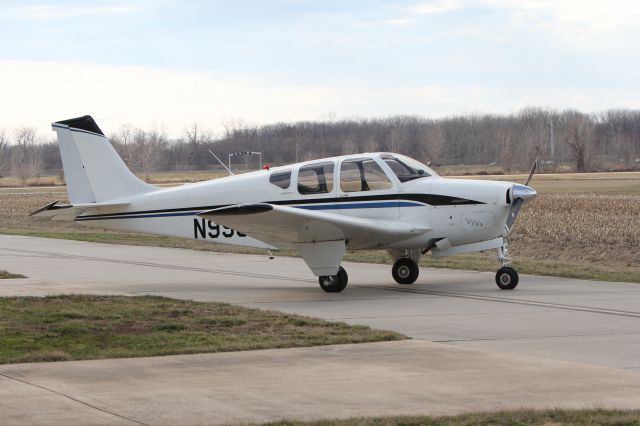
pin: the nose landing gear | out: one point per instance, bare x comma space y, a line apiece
506, 277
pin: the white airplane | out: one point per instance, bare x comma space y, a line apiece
321, 208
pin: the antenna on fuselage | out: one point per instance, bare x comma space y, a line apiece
225, 167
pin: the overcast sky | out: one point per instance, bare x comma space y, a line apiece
170, 63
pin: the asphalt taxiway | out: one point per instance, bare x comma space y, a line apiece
550, 342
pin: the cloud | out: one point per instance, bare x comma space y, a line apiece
436, 6
582, 23
398, 21
58, 12
38, 93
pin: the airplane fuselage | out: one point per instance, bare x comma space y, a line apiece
461, 211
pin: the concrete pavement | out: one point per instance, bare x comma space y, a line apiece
390, 378
567, 319
551, 342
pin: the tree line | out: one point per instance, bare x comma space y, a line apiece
576, 141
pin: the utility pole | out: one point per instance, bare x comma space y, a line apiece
552, 147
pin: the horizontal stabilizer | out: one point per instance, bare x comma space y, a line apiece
57, 211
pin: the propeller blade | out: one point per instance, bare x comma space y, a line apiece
533, 170
513, 213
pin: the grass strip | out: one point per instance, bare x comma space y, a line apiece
555, 417
474, 262
74, 327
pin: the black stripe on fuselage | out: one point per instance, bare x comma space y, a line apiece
427, 199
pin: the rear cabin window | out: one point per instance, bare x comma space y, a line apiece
363, 175
315, 179
281, 179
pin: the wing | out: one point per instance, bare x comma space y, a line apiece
289, 227
57, 211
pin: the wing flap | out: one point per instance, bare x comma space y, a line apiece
287, 227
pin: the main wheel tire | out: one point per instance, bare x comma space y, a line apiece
405, 271
507, 278
334, 283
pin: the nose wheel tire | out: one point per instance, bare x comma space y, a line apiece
334, 283
507, 278
405, 271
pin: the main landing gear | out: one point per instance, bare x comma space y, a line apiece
506, 277
405, 271
405, 268
334, 283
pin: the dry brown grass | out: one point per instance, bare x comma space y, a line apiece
162, 178
577, 183
12, 181
580, 228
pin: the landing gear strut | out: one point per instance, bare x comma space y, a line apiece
334, 283
506, 277
405, 271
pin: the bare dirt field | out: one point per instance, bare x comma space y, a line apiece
582, 225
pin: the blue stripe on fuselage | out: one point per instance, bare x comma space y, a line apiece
349, 206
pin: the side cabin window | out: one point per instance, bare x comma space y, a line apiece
281, 179
315, 179
363, 175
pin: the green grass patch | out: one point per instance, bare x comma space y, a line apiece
7, 275
61, 328
474, 262
556, 417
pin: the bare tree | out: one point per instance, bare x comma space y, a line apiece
26, 160
588, 141
349, 147
4, 151
149, 146
192, 134
127, 147
233, 127
435, 140
579, 138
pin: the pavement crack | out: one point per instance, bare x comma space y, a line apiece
578, 308
559, 336
79, 401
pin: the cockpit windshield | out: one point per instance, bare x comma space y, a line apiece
406, 168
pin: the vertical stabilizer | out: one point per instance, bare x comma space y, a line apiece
93, 170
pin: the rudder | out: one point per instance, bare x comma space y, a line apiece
93, 170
